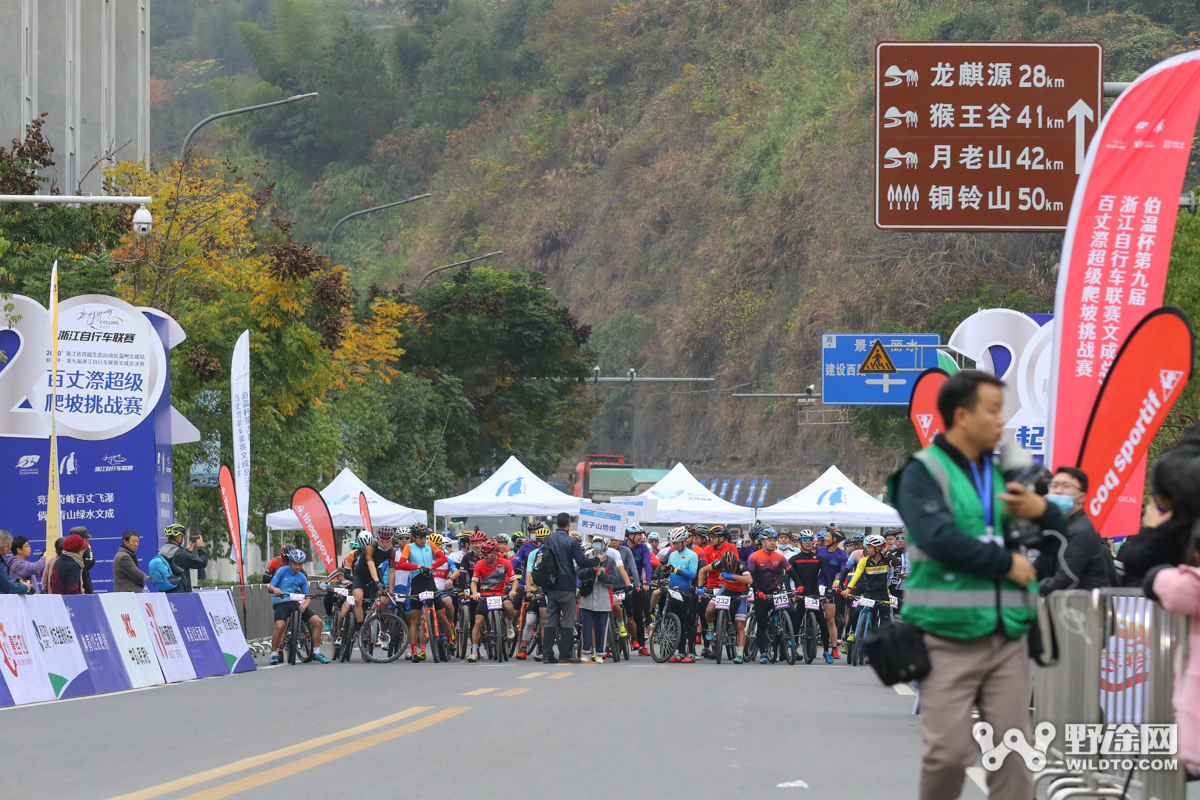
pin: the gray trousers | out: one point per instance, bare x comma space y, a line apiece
560, 605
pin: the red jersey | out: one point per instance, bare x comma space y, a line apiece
711, 556
492, 579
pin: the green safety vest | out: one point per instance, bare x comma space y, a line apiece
948, 602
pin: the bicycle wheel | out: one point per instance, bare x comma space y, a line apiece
720, 624
811, 632
787, 637
382, 638
774, 645
463, 637
751, 628
510, 645
347, 635
304, 650
431, 634
664, 641
292, 635
860, 632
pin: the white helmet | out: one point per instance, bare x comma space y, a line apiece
366, 538
677, 535
874, 540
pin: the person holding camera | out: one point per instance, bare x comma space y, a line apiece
970, 594
183, 559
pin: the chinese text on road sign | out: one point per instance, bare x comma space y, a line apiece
843, 356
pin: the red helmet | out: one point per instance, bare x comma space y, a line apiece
478, 536
490, 548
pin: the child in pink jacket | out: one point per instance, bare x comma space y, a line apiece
1177, 589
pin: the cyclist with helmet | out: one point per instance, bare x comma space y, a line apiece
275, 563
288, 581
735, 580
833, 560
769, 571
873, 571
709, 579
787, 546
631, 583
806, 566
337, 579
420, 558
639, 609
374, 552
681, 566
530, 624
492, 574
900, 572
505, 542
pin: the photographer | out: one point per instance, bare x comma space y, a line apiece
181, 559
970, 595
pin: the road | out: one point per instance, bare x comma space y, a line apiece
459, 730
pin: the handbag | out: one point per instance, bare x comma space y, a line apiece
897, 653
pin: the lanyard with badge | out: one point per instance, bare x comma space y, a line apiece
983, 485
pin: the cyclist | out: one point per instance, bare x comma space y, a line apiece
530, 624
873, 570
288, 582
735, 582
833, 558
505, 542
403, 579
632, 583
900, 572
787, 545
709, 579
642, 560
492, 573
419, 558
280, 561
374, 552
767, 570
340, 577
807, 566
681, 567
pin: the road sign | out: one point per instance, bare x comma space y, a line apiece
982, 135
844, 354
877, 360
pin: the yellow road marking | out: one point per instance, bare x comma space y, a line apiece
558, 675
316, 760
512, 692
481, 691
254, 761
532, 675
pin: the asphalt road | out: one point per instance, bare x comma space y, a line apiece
475, 730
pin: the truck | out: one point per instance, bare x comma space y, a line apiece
601, 477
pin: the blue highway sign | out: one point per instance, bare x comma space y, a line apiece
842, 354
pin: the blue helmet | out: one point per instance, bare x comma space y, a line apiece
633, 527
296, 556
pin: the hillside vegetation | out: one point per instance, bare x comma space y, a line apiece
692, 177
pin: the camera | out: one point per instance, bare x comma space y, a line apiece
142, 221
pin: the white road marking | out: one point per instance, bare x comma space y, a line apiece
792, 785
904, 689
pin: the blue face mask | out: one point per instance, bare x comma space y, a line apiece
1065, 503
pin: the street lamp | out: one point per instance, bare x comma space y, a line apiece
329, 238
206, 120
456, 264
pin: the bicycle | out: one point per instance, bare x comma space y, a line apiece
491, 638
618, 645
342, 644
438, 645
781, 638
876, 613
297, 636
664, 637
809, 627
529, 605
383, 635
725, 628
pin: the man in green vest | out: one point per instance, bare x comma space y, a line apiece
972, 596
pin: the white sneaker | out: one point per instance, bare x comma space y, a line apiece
512, 632
473, 657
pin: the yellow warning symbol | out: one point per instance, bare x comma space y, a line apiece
878, 361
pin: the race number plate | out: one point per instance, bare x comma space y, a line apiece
781, 600
618, 596
812, 602
342, 592
297, 598
821, 590
866, 602
494, 603
721, 601
675, 595
425, 596
350, 602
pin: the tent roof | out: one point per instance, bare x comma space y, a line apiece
831, 499
341, 495
682, 498
512, 490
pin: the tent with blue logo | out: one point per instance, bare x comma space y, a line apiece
683, 499
513, 490
341, 495
831, 499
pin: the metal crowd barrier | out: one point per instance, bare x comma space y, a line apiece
1116, 667
257, 620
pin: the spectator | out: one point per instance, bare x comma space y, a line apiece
181, 559
560, 598
49, 569
966, 591
19, 566
126, 575
1172, 511
1086, 556
89, 558
69, 570
596, 600
7, 584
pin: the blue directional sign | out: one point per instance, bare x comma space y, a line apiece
842, 354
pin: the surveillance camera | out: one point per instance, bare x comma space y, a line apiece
811, 388
142, 221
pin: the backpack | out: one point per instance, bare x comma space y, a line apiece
545, 569
162, 575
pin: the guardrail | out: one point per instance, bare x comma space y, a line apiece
257, 620
1116, 667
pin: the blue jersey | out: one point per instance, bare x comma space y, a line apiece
288, 582
686, 565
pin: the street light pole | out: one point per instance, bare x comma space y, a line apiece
456, 264
336, 225
206, 120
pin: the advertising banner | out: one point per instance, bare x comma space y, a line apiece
313, 514
21, 664
59, 645
165, 637
239, 390
230, 504
105, 672
197, 635
922, 406
1116, 250
132, 638
645, 508
365, 511
1145, 380
218, 605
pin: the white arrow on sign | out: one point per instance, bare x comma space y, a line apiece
1078, 112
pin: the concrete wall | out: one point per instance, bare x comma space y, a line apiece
86, 63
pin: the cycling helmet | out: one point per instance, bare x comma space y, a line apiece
175, 529
806, 535
297, 556
728, 561
653, 535
478, 536
354, 545
633, 527
678, 535
874, 540
785, 531
541, 533
893, 532
503, 538
366, 538
385, 533
490, 548
421, 529
766, 533
436, 539
719, 530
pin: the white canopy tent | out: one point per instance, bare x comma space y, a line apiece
831, 499
341, 495
682, 498
512, 490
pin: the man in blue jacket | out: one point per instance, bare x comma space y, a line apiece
560, 597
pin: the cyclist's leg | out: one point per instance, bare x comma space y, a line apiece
689, 624
762, 610
282, 610
739, 622
314, 622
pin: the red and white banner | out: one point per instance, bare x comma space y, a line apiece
230, 504
1145, 380
314, 518
922, 405
1116, 251
365, 512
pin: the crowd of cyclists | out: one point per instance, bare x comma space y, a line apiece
697, 592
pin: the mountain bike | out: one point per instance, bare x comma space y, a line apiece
809, 626
297, 636
529, 606
664, 637
383, 635
491, 637
725, 628
871, 615
342, 644
781, 638
428, 602
618, 645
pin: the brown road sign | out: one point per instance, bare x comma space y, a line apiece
982, 135
877, 361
